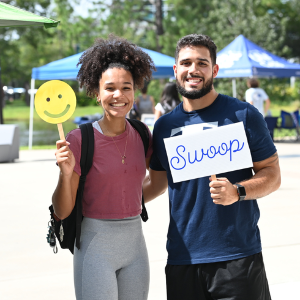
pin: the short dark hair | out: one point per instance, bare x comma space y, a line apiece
113, 52
253, 82
197, 40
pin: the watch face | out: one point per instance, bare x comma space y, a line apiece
242, 191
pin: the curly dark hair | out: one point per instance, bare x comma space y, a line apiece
113, 52
197, 40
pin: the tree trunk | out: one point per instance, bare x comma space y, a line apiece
158, 23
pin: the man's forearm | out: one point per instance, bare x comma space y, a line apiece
261, 184
264, 182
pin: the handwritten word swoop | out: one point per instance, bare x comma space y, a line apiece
179, 162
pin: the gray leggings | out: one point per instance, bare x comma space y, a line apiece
112, 263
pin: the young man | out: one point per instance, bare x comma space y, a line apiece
214, 248
257, 96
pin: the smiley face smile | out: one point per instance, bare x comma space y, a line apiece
57, 115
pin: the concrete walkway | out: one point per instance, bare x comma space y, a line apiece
30, 270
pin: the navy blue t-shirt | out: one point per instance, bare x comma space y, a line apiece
199, 230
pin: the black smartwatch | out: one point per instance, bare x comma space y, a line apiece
241, 191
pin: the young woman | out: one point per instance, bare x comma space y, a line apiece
169, 100
112, 262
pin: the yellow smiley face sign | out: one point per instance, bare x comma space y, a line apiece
55, 101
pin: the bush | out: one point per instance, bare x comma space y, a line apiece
84, 100
278, 89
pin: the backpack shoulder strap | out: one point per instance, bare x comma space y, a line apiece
86, 161
141, 128
87, 148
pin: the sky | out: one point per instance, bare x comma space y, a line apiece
82, 8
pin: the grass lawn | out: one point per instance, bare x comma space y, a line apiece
275, 109
17, 111
40, 147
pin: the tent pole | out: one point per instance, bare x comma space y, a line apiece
233, 88
1, 100
292, 81
31, 113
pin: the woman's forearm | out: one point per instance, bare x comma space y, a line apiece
63, 199
154, 185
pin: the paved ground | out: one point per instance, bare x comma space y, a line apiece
30, 270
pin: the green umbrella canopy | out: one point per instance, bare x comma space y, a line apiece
11, 16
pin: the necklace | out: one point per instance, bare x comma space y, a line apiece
122, 156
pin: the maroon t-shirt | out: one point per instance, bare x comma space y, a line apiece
112, 190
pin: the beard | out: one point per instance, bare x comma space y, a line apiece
196, 94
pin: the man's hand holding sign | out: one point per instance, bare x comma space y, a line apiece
223, 192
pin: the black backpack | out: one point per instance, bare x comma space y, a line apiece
69, 229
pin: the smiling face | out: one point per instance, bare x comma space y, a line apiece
194, 72
55, 101
116, 91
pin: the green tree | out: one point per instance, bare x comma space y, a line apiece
292, 37
12, 70
140, 21
268, 23
24, 48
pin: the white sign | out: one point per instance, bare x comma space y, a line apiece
208, 152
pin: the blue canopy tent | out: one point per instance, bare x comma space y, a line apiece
65, 69
243, 58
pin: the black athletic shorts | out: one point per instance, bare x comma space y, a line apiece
239, 279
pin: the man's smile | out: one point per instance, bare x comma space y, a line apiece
193, 81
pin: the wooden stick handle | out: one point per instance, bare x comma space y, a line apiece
61, 131
214, 177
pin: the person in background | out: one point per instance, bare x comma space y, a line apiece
169, 100
144, 102
257, 96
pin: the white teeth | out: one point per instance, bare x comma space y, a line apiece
118, 104
194, 81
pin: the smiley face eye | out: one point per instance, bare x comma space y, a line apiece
59, 96
48, 99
